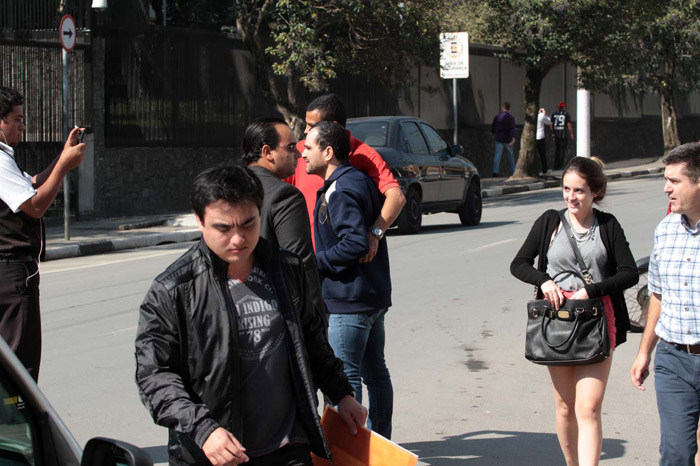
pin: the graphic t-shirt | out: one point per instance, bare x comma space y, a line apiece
268, 403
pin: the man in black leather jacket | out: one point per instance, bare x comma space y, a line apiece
229, 349
269, 150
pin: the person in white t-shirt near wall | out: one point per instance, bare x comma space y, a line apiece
542, 121
23, 201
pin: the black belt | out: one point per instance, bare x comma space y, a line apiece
10, 257
690, 349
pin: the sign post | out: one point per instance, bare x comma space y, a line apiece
68, 35
454, 64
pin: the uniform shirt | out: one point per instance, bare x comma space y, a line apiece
560, 121
674, 273
15, 185
362, 157
20, 234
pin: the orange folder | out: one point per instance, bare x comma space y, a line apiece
367, 448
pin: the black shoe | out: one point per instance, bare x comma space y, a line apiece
494, 174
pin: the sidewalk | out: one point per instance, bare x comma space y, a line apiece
116, 234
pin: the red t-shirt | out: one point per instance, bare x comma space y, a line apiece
362, 157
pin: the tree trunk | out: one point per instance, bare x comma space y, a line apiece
285, 101
669, 120
526, 166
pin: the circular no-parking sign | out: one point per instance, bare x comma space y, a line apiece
68, 33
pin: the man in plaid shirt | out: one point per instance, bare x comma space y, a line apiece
674, 310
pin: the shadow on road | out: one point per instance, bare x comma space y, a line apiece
492, 447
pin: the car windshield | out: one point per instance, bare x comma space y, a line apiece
372, 133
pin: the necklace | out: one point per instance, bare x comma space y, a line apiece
583, 237
586, 235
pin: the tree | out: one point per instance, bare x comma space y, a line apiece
309, 42
536, 39
541, 34
653, 51
665, 45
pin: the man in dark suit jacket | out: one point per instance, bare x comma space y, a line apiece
269, 150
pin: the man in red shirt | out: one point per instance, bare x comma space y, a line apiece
329, 107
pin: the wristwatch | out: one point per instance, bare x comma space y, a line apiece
377, 232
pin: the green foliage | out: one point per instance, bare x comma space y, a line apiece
201, 14
317, 39
533, 33
665, 45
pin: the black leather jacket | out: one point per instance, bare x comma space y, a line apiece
188, 371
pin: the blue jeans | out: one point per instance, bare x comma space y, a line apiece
677, 381
497, 157
358, 340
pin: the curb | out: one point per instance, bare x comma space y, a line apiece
181, 236
495, 192
102, 247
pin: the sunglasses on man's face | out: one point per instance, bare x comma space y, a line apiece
291, 147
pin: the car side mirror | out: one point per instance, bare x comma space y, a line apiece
457, 150
101, 451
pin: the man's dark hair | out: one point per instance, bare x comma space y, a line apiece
9, 98
330, 107
506, 105
690, 155
259, 133
232, 184
331, 134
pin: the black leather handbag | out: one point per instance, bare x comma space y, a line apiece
575, 335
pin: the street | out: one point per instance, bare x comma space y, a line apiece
464, 393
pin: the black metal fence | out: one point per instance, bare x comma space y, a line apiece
171, 87
32, 15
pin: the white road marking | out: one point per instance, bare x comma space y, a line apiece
487, 246
120, 261
116, 332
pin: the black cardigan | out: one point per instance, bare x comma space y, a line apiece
621, 267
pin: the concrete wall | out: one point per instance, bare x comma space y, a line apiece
146, 180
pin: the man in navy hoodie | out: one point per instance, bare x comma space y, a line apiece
356, 294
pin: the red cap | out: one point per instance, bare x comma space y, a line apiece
562, 104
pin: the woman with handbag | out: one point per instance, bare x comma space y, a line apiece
597, 239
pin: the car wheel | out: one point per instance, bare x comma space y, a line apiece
470, 212
411, 216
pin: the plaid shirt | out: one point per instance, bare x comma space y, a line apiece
674, 273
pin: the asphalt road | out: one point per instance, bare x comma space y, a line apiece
464, 394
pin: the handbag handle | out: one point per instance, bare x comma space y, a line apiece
574, 331
587, 278
572, 272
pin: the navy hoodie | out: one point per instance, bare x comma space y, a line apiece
340, 233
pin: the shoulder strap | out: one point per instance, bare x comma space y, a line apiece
579, 258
